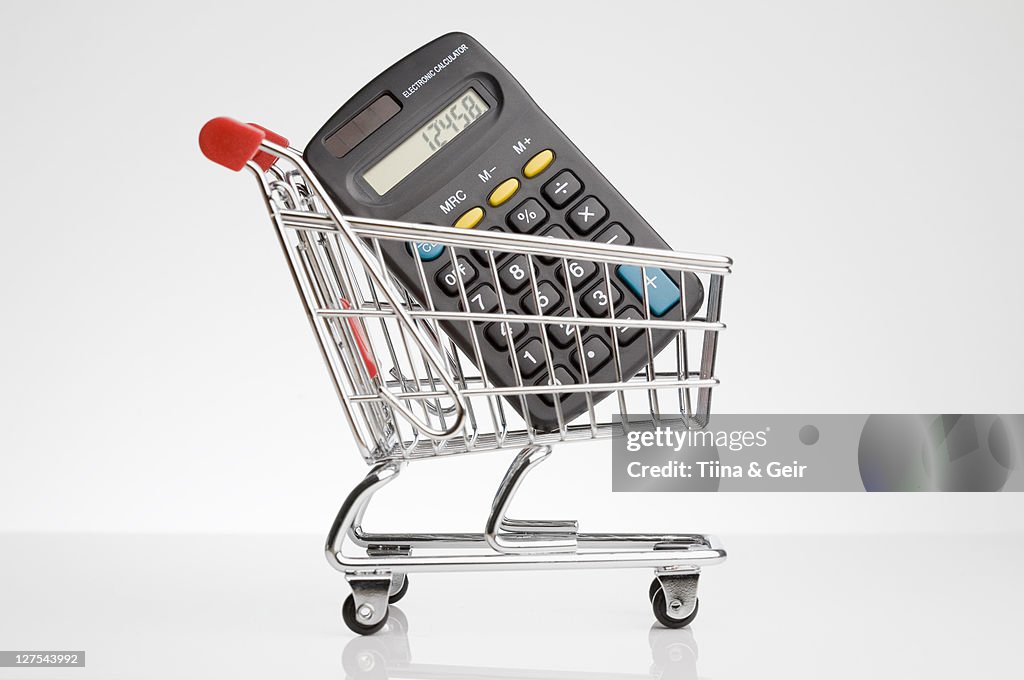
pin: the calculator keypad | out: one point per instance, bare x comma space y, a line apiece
557, 202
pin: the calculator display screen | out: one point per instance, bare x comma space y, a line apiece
426, 141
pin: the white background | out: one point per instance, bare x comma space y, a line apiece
861, 162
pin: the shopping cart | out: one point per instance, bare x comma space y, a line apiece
409, 393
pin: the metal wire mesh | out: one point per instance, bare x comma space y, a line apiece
409, 390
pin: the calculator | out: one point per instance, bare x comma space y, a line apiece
447, 136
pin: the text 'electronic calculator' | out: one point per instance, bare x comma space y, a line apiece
448, 137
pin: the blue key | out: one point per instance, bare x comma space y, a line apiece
428, 252
662, 292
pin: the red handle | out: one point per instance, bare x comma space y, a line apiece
232, 143
361, 341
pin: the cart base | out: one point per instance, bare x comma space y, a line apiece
380, 575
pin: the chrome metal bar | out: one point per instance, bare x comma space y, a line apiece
355, 505
540, 526
549, 389
533, 319
613, 558
521, 243
542, 542
585, 541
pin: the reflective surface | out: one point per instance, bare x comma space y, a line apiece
256, 606
389, 654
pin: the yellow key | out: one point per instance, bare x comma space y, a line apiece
503, 192
538, 163
470, 218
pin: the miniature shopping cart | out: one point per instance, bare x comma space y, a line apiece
409, 393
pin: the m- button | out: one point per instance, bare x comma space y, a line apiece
587, 214
503, 192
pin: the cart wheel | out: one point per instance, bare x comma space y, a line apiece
348, 613
401, 591
653, 590
661, 612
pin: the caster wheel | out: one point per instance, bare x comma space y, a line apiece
661, 612
401, 591
653, 590
348, 613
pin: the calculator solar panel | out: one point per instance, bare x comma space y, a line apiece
447, 136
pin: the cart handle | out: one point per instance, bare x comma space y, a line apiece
232, 143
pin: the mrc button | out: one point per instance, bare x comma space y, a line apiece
470, 218
662, 292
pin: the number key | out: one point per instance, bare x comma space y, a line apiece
554, 231
580, 271
481, 255
515, 274
483, 299
595, 300
562, 377
495, 333
549, 298
563, 335
530, 358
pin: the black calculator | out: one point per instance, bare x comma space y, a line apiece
448, 137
